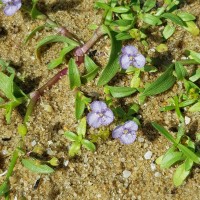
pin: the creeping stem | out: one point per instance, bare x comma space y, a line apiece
39, 92
80, 51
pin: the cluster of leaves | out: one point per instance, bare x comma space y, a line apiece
78, 139
131, 20
10, 90
182, 152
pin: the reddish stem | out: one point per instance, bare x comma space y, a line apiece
39, 92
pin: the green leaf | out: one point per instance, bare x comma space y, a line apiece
192, 28
35, 13
6, 67
88, 145
79, 105
164, 132
123, 36
121, 25
161, 48
120, 9
102, 5
188, 164
187, 152
185, 16
148, 5
71, 136
61, 57
113, 64
92, 70
135, 5
81, 130
74, 76
54, 38
119, 92
195, 107
32, 33
163, 83
195, 55
196, 76
151, 19
168, 31
4, 188
9, 106
74, 149
180, 175
174, 18
34, 166
6, 85
181, 72
171, 158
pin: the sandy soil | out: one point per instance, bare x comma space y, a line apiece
96, 175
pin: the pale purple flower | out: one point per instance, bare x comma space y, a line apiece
126, 132
131, 57
11, 6
100, 115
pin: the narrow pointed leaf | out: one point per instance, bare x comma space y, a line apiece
74, 76
119, 92
168, 31
52, 39
61, 57
187, 152
163, 83
81, 130
4, 188
113, 64
88, 145
79, 105
174, 18
164, 132
34, 166
171, 158
32, 33
74, 149
71, 136
180, 175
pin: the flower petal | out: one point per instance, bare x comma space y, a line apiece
108, 117
12, 9
139, 61
125, 61
130, 50
6, 1
93, 120
98, 106
127, 138
117, 132
131, 126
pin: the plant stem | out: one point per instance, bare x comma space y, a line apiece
12, 164
38, 93
82, 50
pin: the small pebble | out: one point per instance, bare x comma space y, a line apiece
33, 143
187, 120
140, 139
126, 173
4, 152
50, 142
148, 155
49, 151
157, 174
153, 167
65, 163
